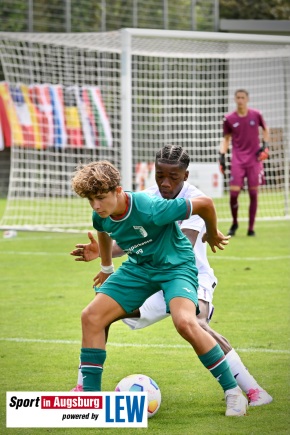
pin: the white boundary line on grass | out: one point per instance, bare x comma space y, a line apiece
161, 346
34, 253
223, 257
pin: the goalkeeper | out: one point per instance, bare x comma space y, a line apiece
241, 127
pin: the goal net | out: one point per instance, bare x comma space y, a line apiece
120, 96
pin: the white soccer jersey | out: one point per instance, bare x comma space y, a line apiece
206, 277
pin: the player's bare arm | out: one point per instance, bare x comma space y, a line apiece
266, 134
204, 207
105, 246
225, 144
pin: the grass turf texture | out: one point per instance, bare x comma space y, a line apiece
43, 292
32, 213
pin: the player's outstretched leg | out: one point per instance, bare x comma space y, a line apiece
209, 353
257, 396
216, 363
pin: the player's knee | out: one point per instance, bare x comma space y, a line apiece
253, 193
89, 319
84, 317
186, 327
234, 194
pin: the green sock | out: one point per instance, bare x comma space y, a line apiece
92, 361
215, 361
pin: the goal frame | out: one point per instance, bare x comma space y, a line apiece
130, 44
126, 119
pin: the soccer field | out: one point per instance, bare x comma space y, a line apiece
43, 291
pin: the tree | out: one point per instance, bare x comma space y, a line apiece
255, 10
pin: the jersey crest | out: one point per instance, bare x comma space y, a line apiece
141, 231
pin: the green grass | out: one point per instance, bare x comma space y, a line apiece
34, 212
43, 292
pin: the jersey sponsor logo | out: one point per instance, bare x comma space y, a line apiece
132, 248
141, 231
236, 124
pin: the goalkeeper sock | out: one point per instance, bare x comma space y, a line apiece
234, 205
253, 208
215, 361
92, 361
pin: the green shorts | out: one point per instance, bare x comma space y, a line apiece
132, 284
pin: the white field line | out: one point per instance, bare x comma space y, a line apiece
33, 253
160, 346
38, 237
211, 257
223, 257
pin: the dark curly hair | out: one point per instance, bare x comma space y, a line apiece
173, 154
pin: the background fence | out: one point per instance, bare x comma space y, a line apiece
106, 15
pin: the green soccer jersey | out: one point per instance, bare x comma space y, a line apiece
148, 231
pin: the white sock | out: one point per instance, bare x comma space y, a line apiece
244, 379
80, 376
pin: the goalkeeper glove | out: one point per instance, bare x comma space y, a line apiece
263, 152
222, 162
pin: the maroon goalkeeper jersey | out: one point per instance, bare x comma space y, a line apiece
244, 131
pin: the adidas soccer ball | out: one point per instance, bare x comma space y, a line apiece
142, 383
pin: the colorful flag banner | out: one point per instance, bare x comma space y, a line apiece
23, 113
87, 128
36, 131
44, 115
72, 118
60, 134
90, 116
40, 97
1, 130
101, 119
5, 130
9, 118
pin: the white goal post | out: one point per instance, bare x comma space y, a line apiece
157, 87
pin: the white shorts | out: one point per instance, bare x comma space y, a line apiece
154, 308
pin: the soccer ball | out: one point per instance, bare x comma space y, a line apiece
142, 383
9, 234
